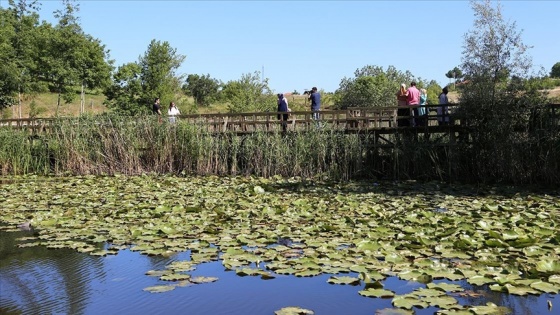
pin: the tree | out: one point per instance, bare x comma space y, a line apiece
555, 71
125, 94
456, 74
159, 65
371, 86
497, 100
135, 85
249, 94
18, 54
493, 51
203, 88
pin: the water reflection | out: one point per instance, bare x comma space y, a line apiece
37, 280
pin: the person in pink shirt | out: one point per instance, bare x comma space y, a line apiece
413, 99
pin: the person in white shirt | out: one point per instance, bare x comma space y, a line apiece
172, 112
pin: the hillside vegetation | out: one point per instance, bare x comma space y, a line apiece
45, 105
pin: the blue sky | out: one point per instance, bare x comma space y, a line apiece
301, 44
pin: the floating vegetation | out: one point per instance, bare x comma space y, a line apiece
358, 233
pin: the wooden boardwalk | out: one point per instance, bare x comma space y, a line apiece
379, 120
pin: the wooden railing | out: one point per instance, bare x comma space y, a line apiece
352, 119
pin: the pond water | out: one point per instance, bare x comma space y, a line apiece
38, 280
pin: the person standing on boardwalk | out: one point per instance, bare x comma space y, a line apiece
413, 99
423, 110
283, 111
402, 111
172, 112
156, 108
443, 109
315, 98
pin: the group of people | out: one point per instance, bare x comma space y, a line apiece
172, 112
419, 113
284, 109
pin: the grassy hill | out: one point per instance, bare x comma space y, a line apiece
45, 104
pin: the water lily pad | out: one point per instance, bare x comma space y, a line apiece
393, 311
344, 280
200, 279
159, 288
489, 309
378, 293
293, 310
546, 287
174, 277
446, 287
408, 302
520, 290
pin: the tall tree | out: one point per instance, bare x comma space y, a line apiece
159, 71
496, 99
18, 62
371, 86
202, 88
493, 51
455, 74
136, 84
555, 71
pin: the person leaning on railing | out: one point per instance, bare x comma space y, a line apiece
443, 108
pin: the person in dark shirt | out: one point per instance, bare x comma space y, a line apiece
315, 98
283, 107
156, 108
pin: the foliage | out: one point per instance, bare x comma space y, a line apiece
555, 71
497, 99
249, 94
158, 75
203, 88
371, 86
136, 84
455, 73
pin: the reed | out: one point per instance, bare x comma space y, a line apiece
106, 145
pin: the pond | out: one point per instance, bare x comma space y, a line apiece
40, 274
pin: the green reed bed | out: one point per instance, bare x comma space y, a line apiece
121, 145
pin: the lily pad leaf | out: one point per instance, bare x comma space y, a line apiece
408, 302
446, 287
490, 309
520, 290
343, 280
378, 293
175, 277
480, 280
159, 288
548, 266
394, 311
545, 287
293, 310
200, 279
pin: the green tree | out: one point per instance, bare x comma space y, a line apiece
159, 78
497, 100
18, 59
555, 71
135, 85
455, 74
371, 86
249, 94
125, 94
202, 88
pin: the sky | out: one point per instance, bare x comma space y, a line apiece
301, 44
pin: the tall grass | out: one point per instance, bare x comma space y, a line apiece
119, 145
